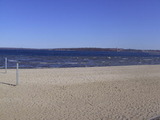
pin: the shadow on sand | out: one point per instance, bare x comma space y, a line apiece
7, 84
4, 72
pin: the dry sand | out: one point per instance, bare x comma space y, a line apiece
98, 93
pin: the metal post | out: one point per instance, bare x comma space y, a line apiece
5, 65
17, 74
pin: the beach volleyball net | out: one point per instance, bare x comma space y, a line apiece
17, 70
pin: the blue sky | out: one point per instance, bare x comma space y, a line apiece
80, 23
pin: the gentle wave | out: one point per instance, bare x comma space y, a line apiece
78, 61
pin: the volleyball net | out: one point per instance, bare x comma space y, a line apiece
17, 69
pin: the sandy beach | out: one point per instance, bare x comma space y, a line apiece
93, 93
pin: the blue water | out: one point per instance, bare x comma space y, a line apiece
59, 59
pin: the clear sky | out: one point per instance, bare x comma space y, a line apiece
80, 23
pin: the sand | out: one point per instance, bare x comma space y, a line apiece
96, 93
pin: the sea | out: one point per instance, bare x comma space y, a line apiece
72, 58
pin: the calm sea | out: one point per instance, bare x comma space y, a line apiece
62, 59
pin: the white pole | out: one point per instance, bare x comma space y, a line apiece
17, 74
5, 65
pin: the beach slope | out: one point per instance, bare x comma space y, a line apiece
96, 93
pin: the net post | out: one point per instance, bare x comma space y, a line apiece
5, 65
17, 74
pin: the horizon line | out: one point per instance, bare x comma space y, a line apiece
78, 48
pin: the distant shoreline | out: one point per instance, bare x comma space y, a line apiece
155, 52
